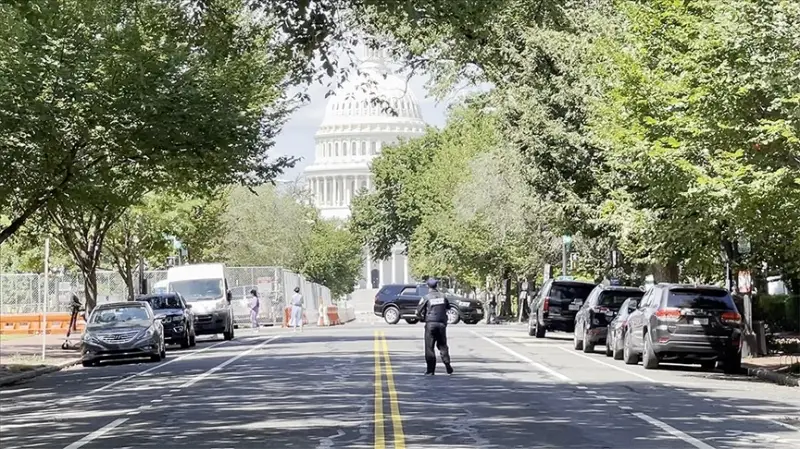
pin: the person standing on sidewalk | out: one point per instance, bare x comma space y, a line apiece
254, 307
297, 310
432, 309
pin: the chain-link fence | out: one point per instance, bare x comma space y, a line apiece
24, 293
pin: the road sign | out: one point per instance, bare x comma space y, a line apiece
745, 282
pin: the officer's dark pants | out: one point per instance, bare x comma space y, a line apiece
436, 335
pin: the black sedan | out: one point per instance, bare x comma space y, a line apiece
617, 328
122, 330
175, 315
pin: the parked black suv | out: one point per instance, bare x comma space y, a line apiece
685, 324
600, 308
396, 301
175, 315
556, 305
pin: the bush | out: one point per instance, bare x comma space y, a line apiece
781, 313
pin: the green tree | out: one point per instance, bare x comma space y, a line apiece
101, 94
332, 256
265, 227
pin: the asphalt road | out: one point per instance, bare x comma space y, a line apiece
336, 387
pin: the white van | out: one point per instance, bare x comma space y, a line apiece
161, 287
205, 289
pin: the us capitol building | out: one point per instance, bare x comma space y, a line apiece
352, 133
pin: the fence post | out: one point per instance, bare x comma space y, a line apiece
46, 294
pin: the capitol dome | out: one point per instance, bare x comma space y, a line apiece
372, 109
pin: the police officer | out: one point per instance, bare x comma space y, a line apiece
432, 309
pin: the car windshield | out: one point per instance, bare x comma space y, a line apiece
198, 289
614, 299
700, 299
119, 315
164, 302
570, 291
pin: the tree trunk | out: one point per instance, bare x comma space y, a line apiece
666, 273
90, 287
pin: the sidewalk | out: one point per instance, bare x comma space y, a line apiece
20, 354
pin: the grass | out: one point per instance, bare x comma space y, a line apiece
20, 363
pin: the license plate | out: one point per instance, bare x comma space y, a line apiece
574, 307
703, 321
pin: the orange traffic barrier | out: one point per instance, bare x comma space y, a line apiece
333, 315
287, 316
31, 323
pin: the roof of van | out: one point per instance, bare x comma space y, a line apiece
199, 271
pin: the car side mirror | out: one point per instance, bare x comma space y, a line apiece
229, 296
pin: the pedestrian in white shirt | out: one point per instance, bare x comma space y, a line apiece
254, 306
297, 310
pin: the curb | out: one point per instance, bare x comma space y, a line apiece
15, 378
771, 376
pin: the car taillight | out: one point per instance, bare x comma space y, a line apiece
668, 314
377, 300
731, 318
546, 305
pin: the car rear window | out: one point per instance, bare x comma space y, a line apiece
570, 291
700, 299
614, 299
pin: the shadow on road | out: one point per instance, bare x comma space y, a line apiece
304, 399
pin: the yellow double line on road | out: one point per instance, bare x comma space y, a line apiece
381, 350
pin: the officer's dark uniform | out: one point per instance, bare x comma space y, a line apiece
432, 309
75, 308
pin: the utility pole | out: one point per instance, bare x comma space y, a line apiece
566, 242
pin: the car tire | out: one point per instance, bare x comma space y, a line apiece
616, 353
588, 347
649, 357
453, 317
609, 349
628, 356
156, 357
531, 329
186, 341
412, 320
541, 331
228, 336
391, 315
732, 363
577, 344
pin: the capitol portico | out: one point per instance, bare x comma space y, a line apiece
355, 130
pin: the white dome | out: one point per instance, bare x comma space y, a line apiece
364, 96
355, 130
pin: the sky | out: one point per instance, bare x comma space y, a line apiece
297, 137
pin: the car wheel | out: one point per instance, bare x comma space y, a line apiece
540, 330
732, 363
453, 316
186, 341
588, 346
576, 343
617, 352
708, 365
156, 357
531, 329
649, 357
609, 345
628, 356
391, 315
412, 321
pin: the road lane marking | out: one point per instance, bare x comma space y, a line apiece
140, 373
222, 365
649, 379
516, 354
673, 431
96, 434
380, 439
397, 419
